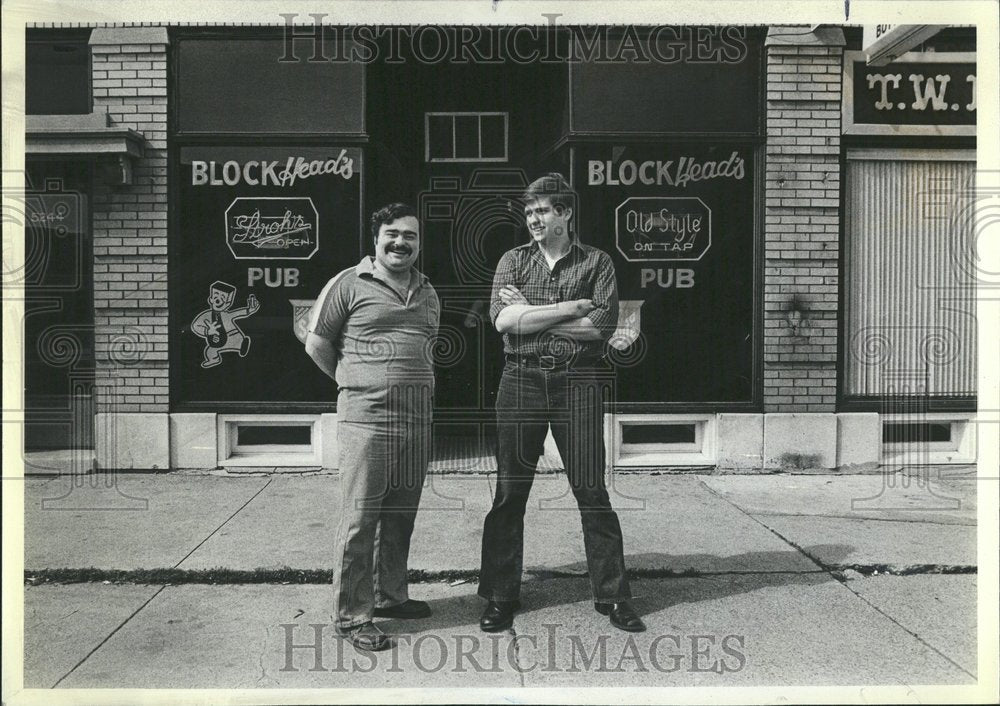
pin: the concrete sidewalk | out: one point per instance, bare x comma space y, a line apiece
742, 580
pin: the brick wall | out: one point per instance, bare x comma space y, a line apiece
802, 224
130, 227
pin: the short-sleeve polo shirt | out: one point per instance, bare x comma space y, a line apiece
384, 343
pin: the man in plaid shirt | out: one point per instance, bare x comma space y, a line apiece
556, 303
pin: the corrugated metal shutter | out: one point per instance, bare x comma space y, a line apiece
909, 276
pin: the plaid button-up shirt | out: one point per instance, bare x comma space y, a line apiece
583, 273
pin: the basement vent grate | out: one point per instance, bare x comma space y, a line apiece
633, 434
249, 435
916, 432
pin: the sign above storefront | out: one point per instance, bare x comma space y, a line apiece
885, 43
920, 94
265, 172
670, 172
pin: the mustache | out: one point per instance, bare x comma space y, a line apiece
404, 249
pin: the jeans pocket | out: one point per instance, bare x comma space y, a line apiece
507, 389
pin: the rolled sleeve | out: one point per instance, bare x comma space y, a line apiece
605, 298
504, 276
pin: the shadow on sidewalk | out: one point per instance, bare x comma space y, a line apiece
548, 588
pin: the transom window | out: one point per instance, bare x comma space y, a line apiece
465, 137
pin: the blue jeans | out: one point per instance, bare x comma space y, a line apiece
382, 470
528, 402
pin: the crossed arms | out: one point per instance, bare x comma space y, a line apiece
582, 320
567, 319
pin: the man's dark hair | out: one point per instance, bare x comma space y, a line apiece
555, 187
389, 213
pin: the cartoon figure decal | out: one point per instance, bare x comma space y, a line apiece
217, 325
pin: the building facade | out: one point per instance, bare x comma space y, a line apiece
790, 228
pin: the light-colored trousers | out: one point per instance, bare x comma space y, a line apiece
382, 470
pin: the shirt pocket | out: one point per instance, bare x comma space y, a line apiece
580, 287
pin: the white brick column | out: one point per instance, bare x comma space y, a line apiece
129, 71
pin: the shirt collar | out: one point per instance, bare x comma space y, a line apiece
575, 248
367, 267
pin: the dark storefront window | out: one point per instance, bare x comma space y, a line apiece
57, 73
664, 155
243, 86
262, 219
678, 220
692, 80
261, 230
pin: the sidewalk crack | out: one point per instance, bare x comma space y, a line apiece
160, 589
289, 575
861, 518
212, 534
777, 534
905, 629
260, 662
833, 572
517, 654
108, 637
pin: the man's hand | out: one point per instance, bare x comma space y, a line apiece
323, 353
577, 308
519, 317
581, 329
512, 295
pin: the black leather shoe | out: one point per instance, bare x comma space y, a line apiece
499, 615
410, 610
366, 637
622, 616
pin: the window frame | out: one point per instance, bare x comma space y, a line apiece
62, 36
898, 149
457, 114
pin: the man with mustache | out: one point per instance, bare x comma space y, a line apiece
556, 303
371, 329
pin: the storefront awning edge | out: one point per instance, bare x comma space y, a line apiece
81, 135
